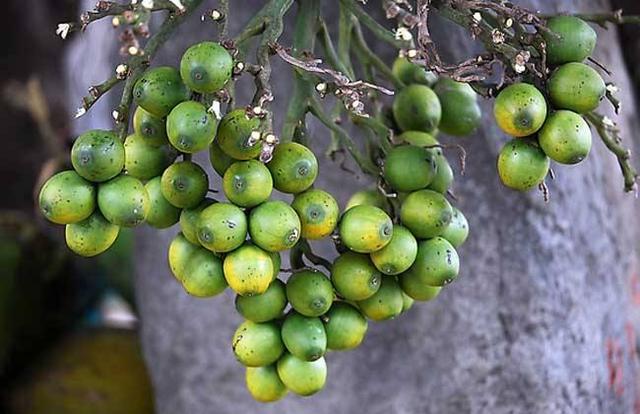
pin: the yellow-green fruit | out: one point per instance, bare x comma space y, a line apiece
565, 137
220, 161
309, 292
398, 255
264, 307
150, 128
345, 327
234, 135
426, 213
522, 165
410, 73
365, 229
409, 168
461, 113
417, 108
304, 337
190, 127
179, 253
274, 226
247, 183
184, 184
520, 109
203, 274
189, 218
67, 198
407, 301
248, 270
91, 236
569, 39
302, 377
318, 212
386, 303
222, 227
294, 167
458, 229
264, 384
161, 213
413, 286
437, 263
577, 87
367, 197
206, 67
257, 344
159, 90
98, 155
354, 276
145, 161
277, 261
124, 201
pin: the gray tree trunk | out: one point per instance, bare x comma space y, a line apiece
541, 320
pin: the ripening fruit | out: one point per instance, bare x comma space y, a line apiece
150, 128
190, 127
345, 327
399, 254
365, 229
274, 226
417, 108
264, 384
304, 337
302, 377
520, 109
407, 301
565, 137
67, 198
522, 165
161, 213
145, 161
413, 286
571, 40
367, 197
318, 212
461, 113
206, 67
124, 201
294, 167
409, 168
309, 292
277, 261
458, 229
264, 307
386, 303
419, 139
189, 218
184, 184
234, 135
221, 227
436, 264
159, 90
91, 236
410, 73
219, 160
248, 270
247, 183
354, 276
257, 344
179, 253
203, 275
97, 155
577, 87
444, 175
426, 213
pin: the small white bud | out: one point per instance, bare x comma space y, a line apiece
497, 36
321, 87
133, 50
508, 23
402, 33
147, 4
215, 109
271, 139
239, 66
121, 70
178, 4
216, 15
606, 121
80, 111
115, 114
253, 138
611, 88
412, 53
477, 17
63, 30
257, 110
115, 22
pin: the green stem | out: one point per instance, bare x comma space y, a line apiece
344, 40
376, 28
371, 58
331, 55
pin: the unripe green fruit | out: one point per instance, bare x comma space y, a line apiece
234, 135
221, 227
461, 113
124, 201
144, 161
386, 303
413, 286
520, 109
159, 90
277, 261
437, 263
264, 384
420, 139
522, 165
571, 39
91, 236
179, 253
203, 275
426, 213
398, 255
365, 229
161, 213
189, 218
410, 73
354, 276
97, 155
407, 302
367, 197
257, 344
345, 327
67, 198
309, 292
565, 137
444, 175
458, 229
318, 212
577, 87
294, 167
417, 108
206, 67
247, 183
149, 127
184, 184
409, 168
274, 226
190, 127
264, 307
302, 377
220, 161
248, 270
304, 337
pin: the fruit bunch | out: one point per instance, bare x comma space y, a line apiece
546, 120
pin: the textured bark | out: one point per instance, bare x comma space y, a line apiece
540, 320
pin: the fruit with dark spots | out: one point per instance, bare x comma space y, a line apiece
263, 307
179, 253
354, 276
234, 135
522, 165
162, 214
309, 292
398, 255
184, 184
257, 344
124, 201
577, 87
190, 127
345, 327
436, 264
569, 39
274, 226
426, 213
247, 183
413, 286
409, 168
520, 109
417, 108
458, 229
219, 160
91, 236
264, 384
386, 303
304, 336
365, 229
206, 67
410, 73
302, 377
144, 161
97, 155
221, 227
565, 137
294, 167
203, 275
67, 198
318, 212
248, 270
159, 90
461, 113
150, 128
189, 218
367, 197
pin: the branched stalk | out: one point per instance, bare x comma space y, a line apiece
376, 28
371, 58
98, 91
